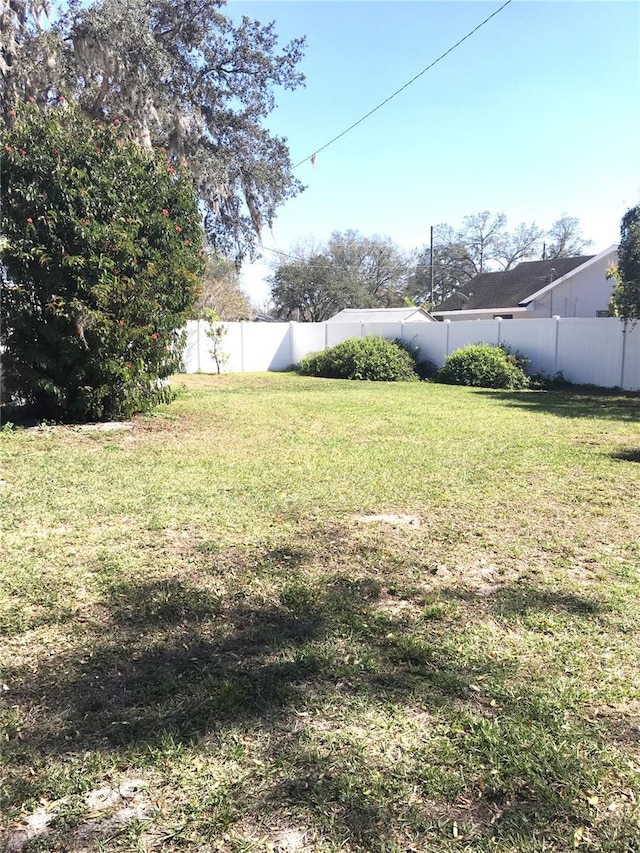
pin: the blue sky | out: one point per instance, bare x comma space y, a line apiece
536, 115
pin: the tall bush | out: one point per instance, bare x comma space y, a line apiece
483, 366
625, 301
102, 250
372, 358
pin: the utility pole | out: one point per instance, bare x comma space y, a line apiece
431, 264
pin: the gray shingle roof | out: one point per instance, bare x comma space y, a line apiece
508, 289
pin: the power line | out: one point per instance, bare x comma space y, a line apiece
402, 88
382, 104
283, 254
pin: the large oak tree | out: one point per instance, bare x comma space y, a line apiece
188, 79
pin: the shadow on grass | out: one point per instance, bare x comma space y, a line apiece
627, 454
520, 600
173, 660
574, 402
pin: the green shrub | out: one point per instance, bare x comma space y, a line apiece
373, 358
102, 251
516, 357
424, 368
483, 366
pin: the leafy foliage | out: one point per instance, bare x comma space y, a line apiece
566, 238
220, 292
372, 357
216, 332
483, 366
310, 290
626, 292
349, 271
103, 258
189, 79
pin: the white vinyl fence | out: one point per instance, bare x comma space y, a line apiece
598, 351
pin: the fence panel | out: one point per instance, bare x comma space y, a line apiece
535, 339
337, 332
462, 333
429, 338
231, 345
190, 354
197, 353
631, 367
307, 338
587, 350
590, 350
266, 346
392, 331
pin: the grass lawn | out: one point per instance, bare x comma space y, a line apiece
204, 649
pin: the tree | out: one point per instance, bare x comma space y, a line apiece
626, 292
188, 79
482, 234
29, 51
102, 254
484, 244
488, 242
374, 264
216, 333
566, 240
348, 271
520, 245
311, 290
221, 292
451, 269
480, 245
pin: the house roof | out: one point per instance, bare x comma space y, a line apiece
495, 290
612, 250
379, 315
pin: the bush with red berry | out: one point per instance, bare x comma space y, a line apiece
101, 249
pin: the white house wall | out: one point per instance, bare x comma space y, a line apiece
583, 294
514, 313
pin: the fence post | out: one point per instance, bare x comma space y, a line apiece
242, 347
198, 345
499, 322
362, 328
624, 352
555, 352
446, 346
326, 335
290, 333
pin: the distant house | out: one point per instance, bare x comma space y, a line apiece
561, 287
381, 315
